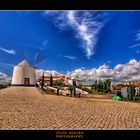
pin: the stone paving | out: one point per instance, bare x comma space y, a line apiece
26, 108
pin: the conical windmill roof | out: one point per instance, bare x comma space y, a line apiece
24, 63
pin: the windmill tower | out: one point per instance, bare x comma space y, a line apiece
23, 74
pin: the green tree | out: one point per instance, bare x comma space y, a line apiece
70, 88
74, 89
99, 85
96, 85
51, 80
131, 91
104, 87
108, 85
58, 84
92, 86
42, 81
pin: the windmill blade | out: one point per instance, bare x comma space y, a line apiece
25, 56
35, 58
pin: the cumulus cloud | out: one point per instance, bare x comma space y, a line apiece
11, 51
86, 24
121, 72
119, 67
39, 73
4, 79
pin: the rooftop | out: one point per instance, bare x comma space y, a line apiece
24, 63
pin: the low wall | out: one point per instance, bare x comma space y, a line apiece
22, 85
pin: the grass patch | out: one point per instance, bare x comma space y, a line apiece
135, 100
93, 91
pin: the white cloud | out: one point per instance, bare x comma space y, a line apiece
68, 57
137, 38
4, 79
104, 66
85, 24
132, 61
11, 51
86, 29
39, 73
136, 45
119, 67
121, 72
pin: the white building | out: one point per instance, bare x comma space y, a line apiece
23, 74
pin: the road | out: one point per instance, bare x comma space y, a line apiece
27, 108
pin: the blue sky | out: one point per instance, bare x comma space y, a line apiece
66, 41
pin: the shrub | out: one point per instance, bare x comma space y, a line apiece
3, 86
136, 99
87, 89
124, 99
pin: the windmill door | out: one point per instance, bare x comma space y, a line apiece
26, 81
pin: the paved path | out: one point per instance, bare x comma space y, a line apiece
24, 108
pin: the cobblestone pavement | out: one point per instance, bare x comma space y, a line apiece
26, 108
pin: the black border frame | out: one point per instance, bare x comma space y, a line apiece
69, 5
